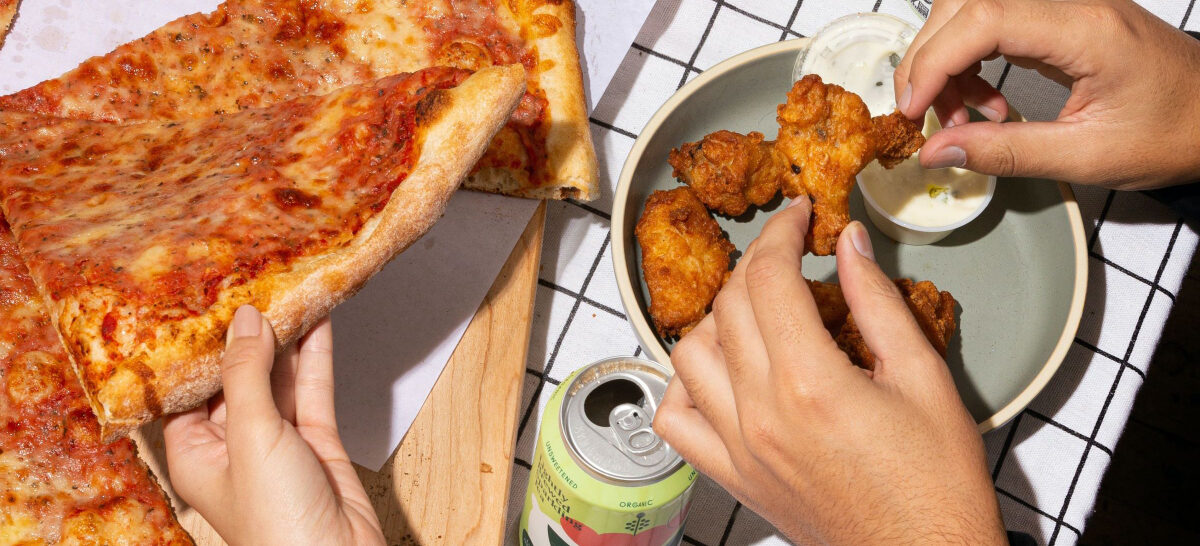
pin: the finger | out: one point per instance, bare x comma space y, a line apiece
182, 430
685, 429
246, 374
979, 94
193, 444
949, 106
738, 336
1058, 150
942, 11
879, 310
700, 366
216, 409
283, 382
1018, 27
784, 309
314, 378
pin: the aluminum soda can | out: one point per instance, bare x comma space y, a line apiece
600, 475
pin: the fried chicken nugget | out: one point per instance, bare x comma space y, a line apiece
730, 171
826, 134
831, 305
685, 259
933, 309
896, 138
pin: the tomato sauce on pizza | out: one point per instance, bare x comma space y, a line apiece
253, 53
173, 214
58, 480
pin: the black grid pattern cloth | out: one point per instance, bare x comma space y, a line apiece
1047, 462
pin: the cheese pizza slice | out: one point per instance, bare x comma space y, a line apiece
252, 53
144, 238
60, 483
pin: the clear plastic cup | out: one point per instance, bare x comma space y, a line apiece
910, 233
859, 52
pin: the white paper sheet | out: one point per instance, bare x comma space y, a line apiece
393, 339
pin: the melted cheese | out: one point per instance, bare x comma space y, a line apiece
59, 483
255, 53
197, 210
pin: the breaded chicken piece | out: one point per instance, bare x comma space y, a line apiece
827, 135
831, 304
896, 138
685, 259
933, 309
730, 171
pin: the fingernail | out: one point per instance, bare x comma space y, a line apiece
861, 240
989, 113
794, 202
905, 98
247, 322
949, 123
950, 156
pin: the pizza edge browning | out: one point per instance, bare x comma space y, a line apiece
571, 157
469, 116
23, 316
8, 12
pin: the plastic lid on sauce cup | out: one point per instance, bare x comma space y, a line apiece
841, 53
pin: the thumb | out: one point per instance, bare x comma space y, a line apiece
246, 373
1054, 150
878, 308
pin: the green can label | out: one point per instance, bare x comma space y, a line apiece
567, 505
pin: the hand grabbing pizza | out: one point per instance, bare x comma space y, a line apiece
262, 461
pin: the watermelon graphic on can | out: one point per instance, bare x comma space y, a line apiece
600, 476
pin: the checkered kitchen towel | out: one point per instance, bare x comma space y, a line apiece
1047, 463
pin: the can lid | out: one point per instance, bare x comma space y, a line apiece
606, 418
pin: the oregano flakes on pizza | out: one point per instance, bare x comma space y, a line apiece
144, 238
60, 483
253, 53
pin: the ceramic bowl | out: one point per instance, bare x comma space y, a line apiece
1019, 271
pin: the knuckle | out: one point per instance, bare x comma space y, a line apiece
879, 287
921, 59
984, 12
1107, 18
243, 354
664, 422
721, 304
686, 351
314, 384
766, 267
759, 433
1000, 158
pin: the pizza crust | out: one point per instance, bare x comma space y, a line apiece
381, 37
293, 302
571, 159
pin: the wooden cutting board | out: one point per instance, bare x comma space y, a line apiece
447, 482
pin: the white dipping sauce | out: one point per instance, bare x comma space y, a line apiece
925, 197
860, 53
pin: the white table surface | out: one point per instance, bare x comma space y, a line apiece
1048, 462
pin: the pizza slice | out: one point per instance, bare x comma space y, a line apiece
8, 10
59, 482
144, 238
253, 53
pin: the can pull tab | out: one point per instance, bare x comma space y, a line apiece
631, 426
